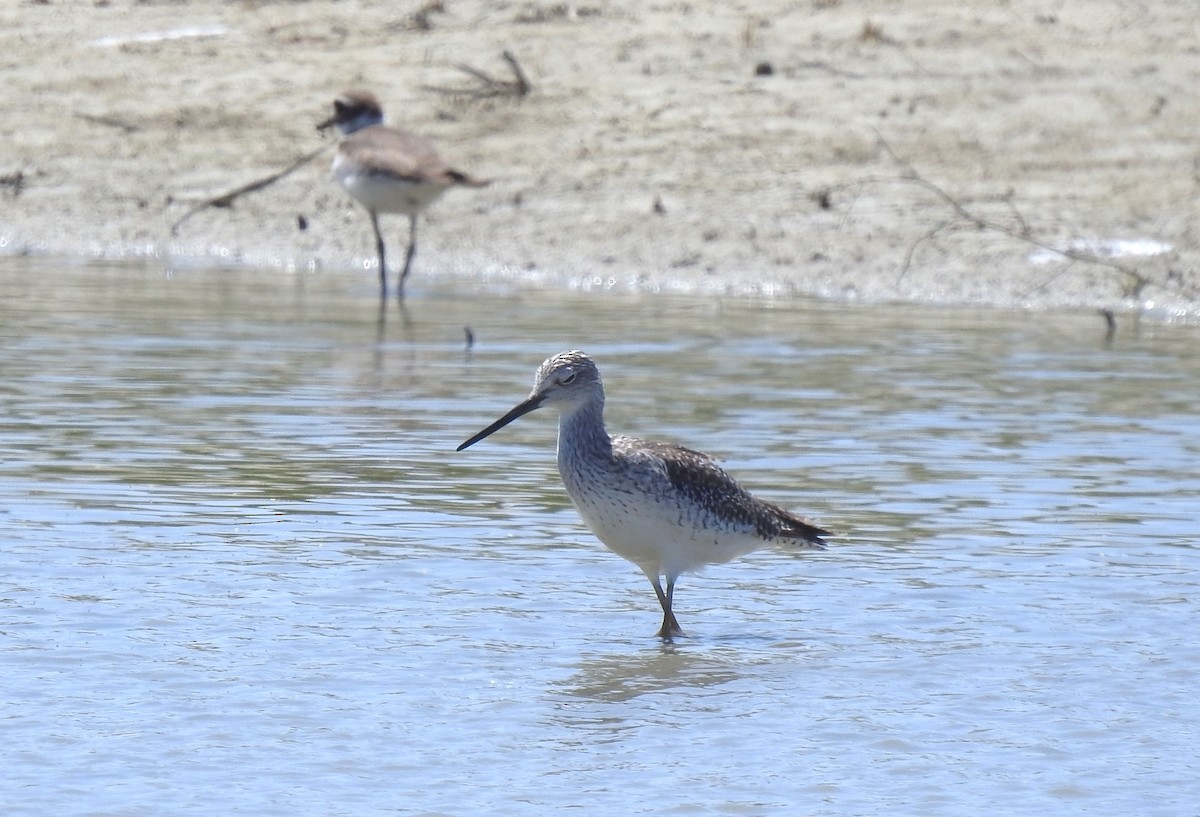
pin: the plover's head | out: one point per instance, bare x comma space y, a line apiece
353, 110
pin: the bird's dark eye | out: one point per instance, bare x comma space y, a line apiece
569, 379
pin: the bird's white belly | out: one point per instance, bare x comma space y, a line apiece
385, 194
655, 535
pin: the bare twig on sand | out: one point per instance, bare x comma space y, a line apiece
1134, 281
490, 86
524, 86
109, 121
15, 182
227, 199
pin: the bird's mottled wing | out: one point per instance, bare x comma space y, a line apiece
400, 155
697, 478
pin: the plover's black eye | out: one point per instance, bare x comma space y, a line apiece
569, 379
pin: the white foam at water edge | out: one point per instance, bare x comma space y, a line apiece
186, 32
1104, 248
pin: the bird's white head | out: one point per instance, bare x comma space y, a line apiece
569, 381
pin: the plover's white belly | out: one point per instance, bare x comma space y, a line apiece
383, 193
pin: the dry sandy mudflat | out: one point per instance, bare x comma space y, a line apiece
910, 151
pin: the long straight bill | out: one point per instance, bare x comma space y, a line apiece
519, 410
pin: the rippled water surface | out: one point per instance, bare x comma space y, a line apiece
245, 572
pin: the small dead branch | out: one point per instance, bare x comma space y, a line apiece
14, 182
1110, 324
422, 18
524, 86
226, 199
1134, 281
489, 86
109, 121
872, 32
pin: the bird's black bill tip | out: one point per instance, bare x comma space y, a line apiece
519, 410
471, 442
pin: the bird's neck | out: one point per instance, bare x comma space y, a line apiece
582, 433
363, 120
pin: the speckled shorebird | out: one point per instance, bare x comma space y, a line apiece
667, 509
388, 171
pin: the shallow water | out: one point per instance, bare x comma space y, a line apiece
244, 571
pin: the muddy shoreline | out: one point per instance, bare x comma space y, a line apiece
856, 152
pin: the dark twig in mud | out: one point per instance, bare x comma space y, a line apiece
490, 86
523, 85
109, 121
14, 182
227, 199
1135, 282
1110, 324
